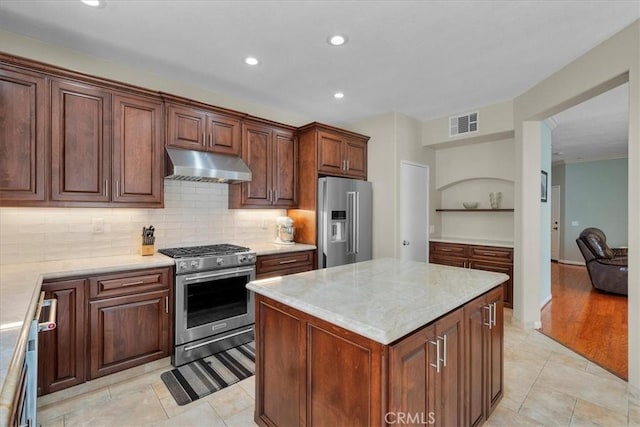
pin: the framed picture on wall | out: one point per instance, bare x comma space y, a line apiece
544, 184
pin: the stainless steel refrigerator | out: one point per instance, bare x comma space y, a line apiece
344, 221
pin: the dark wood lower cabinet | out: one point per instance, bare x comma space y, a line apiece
283, 264
128, 331
426, 374
313, 373
61, 358
105, 324
310, 372
488, 258
483, 323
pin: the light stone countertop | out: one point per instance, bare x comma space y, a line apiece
473, 241
275, 248
382, 299
20, 286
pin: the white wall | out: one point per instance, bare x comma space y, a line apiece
494, 122
394, 137
545, 217
470, 173
611, 63
195, 213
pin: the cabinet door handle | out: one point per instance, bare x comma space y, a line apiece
204, 139
490, 308
166, 304
106, 188
289, 261
444, 350
269, 195
347, 165
494, 313
117, 188
139, 282
437, 364
210, 140
275, 196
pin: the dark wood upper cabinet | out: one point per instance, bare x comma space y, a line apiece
324, 151
342, 155
271, 152
138, 150
22, 136
197, 128
80, 142
68, 139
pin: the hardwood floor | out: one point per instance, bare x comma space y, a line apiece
591, 323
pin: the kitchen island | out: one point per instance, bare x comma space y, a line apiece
379, 342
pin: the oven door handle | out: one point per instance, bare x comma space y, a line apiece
193, 347
219, 274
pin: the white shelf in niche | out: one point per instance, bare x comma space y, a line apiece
476, 190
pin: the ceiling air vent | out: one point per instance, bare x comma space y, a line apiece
464, 123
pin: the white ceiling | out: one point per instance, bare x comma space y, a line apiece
426, 59
596, 129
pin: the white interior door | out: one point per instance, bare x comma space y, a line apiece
555, 222
414, 211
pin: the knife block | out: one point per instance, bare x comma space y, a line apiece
147, 249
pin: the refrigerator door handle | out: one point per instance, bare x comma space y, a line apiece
351, 221
356, 220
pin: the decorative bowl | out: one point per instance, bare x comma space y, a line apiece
470, 205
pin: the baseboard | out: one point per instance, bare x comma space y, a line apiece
566, 261
546, 301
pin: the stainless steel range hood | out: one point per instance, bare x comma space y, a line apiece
191, 165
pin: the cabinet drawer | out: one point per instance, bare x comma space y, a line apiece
447, 260
448, 249
494, 253
299, 261
131, 282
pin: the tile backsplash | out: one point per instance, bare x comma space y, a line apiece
194, 213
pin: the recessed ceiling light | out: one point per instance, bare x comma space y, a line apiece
338, 95
95, 3
250, 60
337, 40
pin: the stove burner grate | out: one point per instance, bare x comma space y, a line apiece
206, 250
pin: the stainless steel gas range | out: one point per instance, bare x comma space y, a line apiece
214, 310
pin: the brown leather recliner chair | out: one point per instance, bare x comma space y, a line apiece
608, 267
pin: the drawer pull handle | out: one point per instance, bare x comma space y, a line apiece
139, 282
289, 261
446, 250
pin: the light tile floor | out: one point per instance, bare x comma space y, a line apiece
545, 384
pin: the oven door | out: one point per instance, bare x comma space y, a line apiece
211, 303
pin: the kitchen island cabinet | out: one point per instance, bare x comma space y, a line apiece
367, 343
